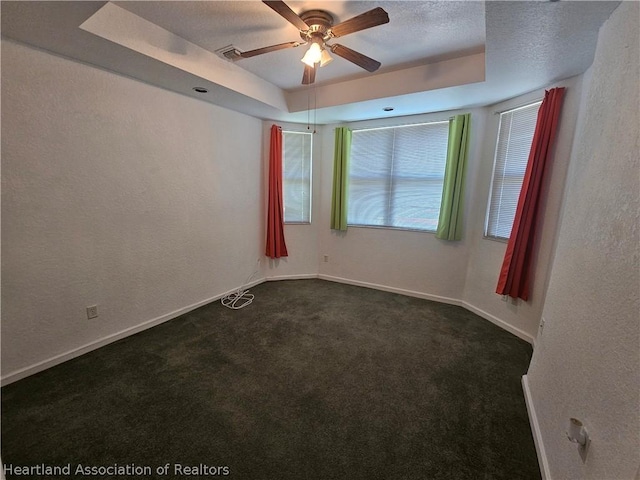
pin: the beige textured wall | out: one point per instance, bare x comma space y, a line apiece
486, 255
119, 194
587, 359
301, 240
404, 261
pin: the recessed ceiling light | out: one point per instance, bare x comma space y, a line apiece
200, 89
388, 109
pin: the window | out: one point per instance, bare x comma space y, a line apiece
396, 176
515, 134
296, 176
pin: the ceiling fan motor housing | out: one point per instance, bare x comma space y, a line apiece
319, 22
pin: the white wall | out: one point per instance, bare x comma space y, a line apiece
405, 261
145, 202
115, 193
464, 272
301, 239
486, 255
587, 359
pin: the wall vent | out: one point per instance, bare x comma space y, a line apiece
229, 53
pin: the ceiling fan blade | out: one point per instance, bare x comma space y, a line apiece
309, 75
369, 19
369, 64
272, 48
288, 14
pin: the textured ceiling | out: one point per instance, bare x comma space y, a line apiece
417, 32
438, 55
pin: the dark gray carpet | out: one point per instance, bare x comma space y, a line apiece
314, 380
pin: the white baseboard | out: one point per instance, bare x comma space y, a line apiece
535, 429
63, 357
501, 323
401, 291
76, 352
275, 278
437, 298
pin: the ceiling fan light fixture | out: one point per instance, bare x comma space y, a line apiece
325, 58
316, 27
313, 55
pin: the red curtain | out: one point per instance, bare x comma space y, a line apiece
515, 274
276, 246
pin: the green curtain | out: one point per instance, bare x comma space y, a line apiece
341, 154
452, 205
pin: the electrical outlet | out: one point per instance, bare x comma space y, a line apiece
326, 258
92, 311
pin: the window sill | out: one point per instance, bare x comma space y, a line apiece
399, 229
496, 239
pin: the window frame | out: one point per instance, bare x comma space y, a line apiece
391, 178
486, 234
297, 222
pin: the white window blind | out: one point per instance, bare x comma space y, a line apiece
296, 176
515, 134
396, 176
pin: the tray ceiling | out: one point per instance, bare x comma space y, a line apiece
436, 55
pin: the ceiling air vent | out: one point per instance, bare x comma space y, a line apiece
229, 53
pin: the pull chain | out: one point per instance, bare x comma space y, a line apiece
315, 109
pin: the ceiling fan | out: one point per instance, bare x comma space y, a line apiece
316, 29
